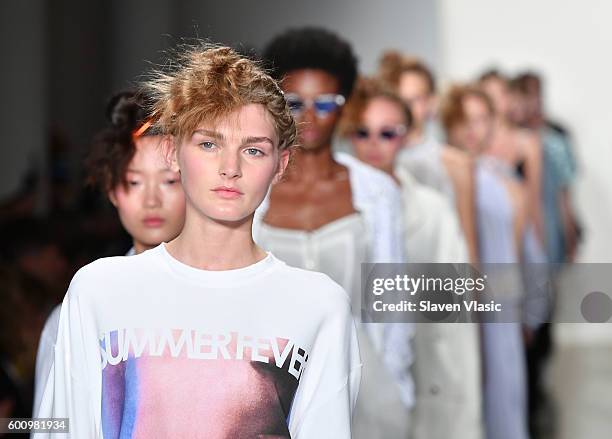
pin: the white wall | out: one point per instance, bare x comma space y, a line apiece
570, 43
370, 26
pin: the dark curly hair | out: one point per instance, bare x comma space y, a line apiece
113, 148
312, 48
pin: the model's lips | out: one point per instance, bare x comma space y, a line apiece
153, 221
228, 193
373, 158
309, 134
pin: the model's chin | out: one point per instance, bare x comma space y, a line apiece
230, 216
311, 145
152, 237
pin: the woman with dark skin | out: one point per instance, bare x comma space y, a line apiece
317, 189
332, 212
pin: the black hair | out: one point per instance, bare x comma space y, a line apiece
125, 111
312, 48
113, 148
525, 82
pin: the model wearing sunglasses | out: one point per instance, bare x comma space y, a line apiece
331, 212
323, 104
432, 234
384, 134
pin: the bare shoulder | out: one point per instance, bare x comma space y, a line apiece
455, 155
460, 165
527, 141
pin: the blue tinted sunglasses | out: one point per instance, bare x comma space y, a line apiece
323, 105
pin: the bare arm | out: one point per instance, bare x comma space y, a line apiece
460, 167
530, 150
520, 208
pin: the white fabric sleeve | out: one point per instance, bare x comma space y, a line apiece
388, 245
75, 372
44, 354
326, 396
451, 244
395, 341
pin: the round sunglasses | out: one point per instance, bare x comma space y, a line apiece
384, 134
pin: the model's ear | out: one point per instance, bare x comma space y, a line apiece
283, 161
112, 197
170, 152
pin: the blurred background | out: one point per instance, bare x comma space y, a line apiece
63, 59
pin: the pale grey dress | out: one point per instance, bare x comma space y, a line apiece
505, 401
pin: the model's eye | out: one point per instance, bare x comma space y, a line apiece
172, 181
207, 145
133, 182
254, 151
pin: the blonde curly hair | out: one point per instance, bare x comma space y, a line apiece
204, 82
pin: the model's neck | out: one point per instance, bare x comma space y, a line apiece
395, 178
312, 165
139, 247
535, 123
212, 245
416, 136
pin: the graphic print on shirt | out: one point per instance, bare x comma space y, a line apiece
170, 383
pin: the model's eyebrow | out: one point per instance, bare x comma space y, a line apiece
213, 134
261, 139
246, 140
138, 171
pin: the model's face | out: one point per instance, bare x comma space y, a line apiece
474, 133
227, 167
533, 102
497, 90
315, 127
152, 205
414, 90
381, 134
518, 108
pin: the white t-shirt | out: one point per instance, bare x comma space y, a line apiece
46, 349
150, 347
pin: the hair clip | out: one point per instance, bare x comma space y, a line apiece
140, 131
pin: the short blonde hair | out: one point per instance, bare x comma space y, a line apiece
205, 83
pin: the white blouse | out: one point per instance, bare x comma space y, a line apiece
373, 234
424, 162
